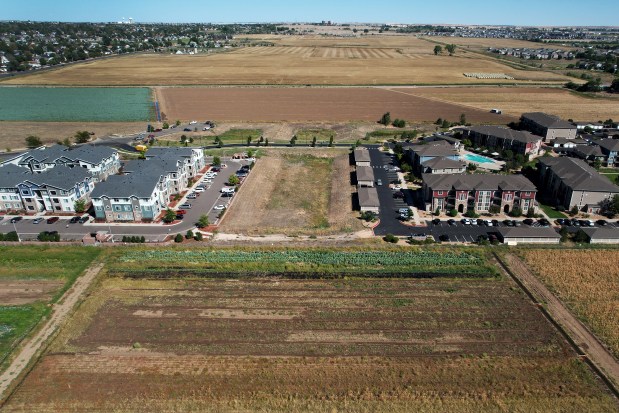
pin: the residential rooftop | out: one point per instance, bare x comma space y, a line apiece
368, 197
505, 133
548, 121
362, 155
365, 173
437, 148
578, 175
478, 182
444, 163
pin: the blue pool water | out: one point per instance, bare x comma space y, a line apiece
477, 158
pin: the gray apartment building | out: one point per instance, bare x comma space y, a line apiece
573, 183
549, 127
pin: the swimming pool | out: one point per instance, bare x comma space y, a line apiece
471, 157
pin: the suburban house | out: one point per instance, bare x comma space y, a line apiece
573, 183
549, 127
368, 199
365, 176
443, 166
362, 157
477, 192
418, 155
500, 138
99, 161
55, 190
147, 185
135, 197
589, 153
610, 150
10, 177
581, 126
528, 235
562, 143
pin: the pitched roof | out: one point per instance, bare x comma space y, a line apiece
482, 182
611, 145
368, 197
45, 154
548, 121
125, 186
437, 148
528, 232
89, 153
578, 175
602, 233
505, 133
441, 162
61, 177
362, 155
588, 150
11, 175
365, 173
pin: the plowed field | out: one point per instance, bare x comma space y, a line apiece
312, 104
309, 345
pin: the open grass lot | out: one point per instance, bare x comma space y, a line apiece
272, 104
31, 278
295, 192
485, 43
280, 344
13, 134
587, 281
516, 100
375, 60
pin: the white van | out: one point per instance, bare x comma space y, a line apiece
227, 190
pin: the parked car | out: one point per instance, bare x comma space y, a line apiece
465, 221
489, 223
180, 216
193, 122
443, 237
528, 221
158, 130
192, 195
181, 212
379, 182
199, 189
543, 222
509, 223
227, 194
451, 222
560, 221
215, 169
74, 220
84, 219
218, 207
186, 205
436, 221
398, 195
52, 220
495, 222
481, 222
186, 130
37, 220
601, 222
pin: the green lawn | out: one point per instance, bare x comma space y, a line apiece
305, 136
239, 136
551, 212
21, 263
611, 176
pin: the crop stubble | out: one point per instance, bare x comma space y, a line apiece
360, 345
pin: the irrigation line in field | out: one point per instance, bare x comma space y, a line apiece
581, 353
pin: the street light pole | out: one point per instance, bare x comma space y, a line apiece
110, 228
15, 227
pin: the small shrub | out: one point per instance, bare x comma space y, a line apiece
178, 238
391, 238
198, 236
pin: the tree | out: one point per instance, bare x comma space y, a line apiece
33, 142
169, 216
266, 142
610, 207
531, 212
177, 123
438, 50
494, 209
183, 139
166, 125
248, 140
190, 139
79, 206
178, 238
453, 212
313, 141
462, 119
437, 212
581, 236
233, 180
250, 153
81, 136
189, 234
515, 212
451, 49
293, 140
198, 236
597, 164
203, 221
446, 124
564, 234
216, 160
399, 123
331, 144
574, 210
66, 142
385, 119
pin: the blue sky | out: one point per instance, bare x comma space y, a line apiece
522, 12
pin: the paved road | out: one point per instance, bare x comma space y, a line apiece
59, 313
579, 333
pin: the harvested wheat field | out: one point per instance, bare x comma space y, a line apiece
516, 100
14, 134
389, 60
282, 345
295, 192
587, 282
311, 105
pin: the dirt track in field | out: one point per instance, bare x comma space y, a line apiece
311, 105
27, 291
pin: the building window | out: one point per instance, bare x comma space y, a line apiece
52, 192
439, 192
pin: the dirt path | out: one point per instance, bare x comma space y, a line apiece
591, 346
59, 313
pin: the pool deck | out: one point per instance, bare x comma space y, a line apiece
490, 166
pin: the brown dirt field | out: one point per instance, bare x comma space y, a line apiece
388, 60
515, 100
494, 351
27, 291
312, 105
294, 192
13, 134
476, 43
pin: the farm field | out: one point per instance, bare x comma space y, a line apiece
485, 43
516, 100
376, 60
312, 105
280, 344
31, 278
13, 134
587, 281
75, 104
295, 193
